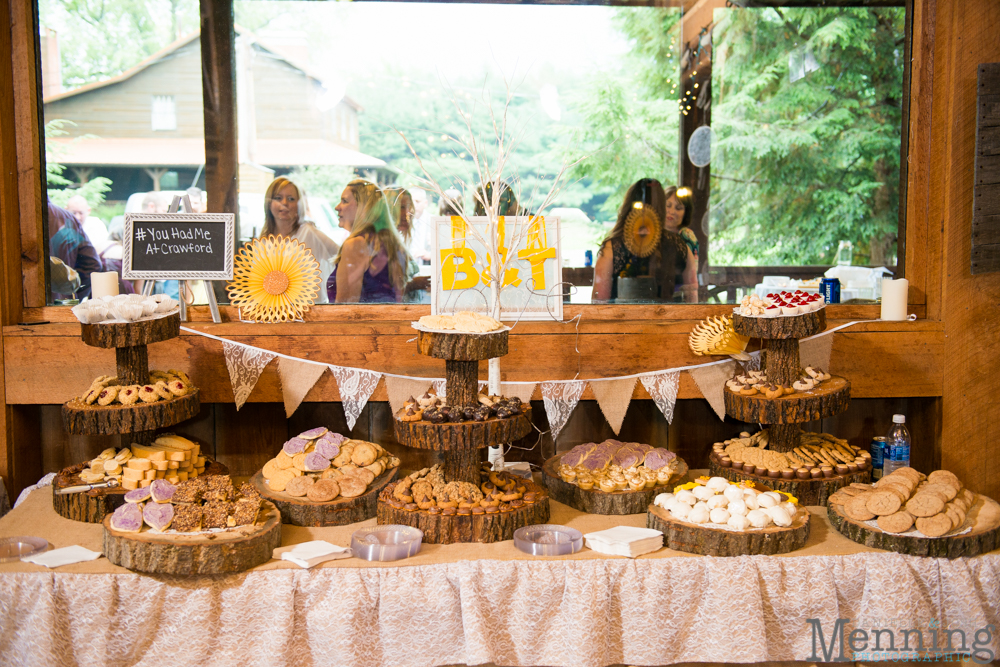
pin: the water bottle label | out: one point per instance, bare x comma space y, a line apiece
899, 453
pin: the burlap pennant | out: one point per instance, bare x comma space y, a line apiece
560, 399
400, 389
662, 387
441, 389
523, 390
356, 386
297, 378
816, 351
712, 380
614, 397
245, 365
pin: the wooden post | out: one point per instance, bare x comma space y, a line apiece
218, 58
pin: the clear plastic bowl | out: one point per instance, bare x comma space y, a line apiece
548, 540
385, 543
16, 548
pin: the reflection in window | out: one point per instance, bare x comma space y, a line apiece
164, 113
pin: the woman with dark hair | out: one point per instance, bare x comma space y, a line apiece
371, 265
285, 215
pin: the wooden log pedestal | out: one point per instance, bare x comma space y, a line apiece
984, 536
92, 506
595, 501
82, 419
830, 398
698, 539
337, 512
813, 491
233, 550
451, 529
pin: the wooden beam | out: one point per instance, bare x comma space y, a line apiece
218, 58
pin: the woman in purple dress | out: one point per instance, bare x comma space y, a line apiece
371, 265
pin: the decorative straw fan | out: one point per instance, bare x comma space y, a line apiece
715, 335
642, 231
275, 279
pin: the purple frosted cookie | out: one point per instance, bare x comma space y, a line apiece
138, 495
157, 516
314, 433
330, 450
658, 458
295, 446
127, 518
161, 490
315, 462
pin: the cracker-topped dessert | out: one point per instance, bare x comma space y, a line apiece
320, 466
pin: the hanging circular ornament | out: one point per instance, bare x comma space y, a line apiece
642, 231
700, 146
275, 279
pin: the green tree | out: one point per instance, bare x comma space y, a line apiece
60, 188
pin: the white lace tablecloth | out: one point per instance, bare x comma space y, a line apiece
473, 604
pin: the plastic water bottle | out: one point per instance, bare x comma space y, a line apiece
897, 446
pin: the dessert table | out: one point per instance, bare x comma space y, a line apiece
475, 603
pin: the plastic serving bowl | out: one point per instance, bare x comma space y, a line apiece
548, 540
16, 548
385, 543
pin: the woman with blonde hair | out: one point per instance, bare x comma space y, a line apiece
400, 202
285, 215
371, 265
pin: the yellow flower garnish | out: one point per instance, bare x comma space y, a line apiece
686, 487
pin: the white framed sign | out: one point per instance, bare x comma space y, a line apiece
463, 265
178, 246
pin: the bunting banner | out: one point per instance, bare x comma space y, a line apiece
245, 365
297, 378
523, 390
815, 352
440, 387
356, 385
614, 398
662, 387
711, 380
560, 399
401, 388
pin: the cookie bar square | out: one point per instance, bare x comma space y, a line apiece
189, 491
248, 492
245, 512
216, 514
187, 518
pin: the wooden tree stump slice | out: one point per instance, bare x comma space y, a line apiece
782, 362
234, 550
92, 506
595, 501
983, 538
808, 491
338, 512
82, 419
830, 398
773, 328
463, 435
462, 382
698, 539
463, 465
132, 365
441, 529
462, 346
131, 334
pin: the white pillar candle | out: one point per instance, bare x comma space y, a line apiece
894, 294
103, 284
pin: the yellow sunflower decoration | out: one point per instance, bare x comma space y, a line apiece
642, 230
275, 279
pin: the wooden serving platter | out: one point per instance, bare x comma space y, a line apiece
830, 398
234, 550
781, 328
457, 346
463, 435
82, 419
697, 539
814, 491
595, 501
337, 512
92, 506
441, 529
132, 334
984, 536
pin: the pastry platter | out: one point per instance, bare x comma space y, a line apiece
132, 334
300, 511
825, 400
82, 419
812, 491
463, 435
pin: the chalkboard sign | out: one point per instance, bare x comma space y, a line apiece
178, 246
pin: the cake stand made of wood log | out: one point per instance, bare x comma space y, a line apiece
232, 550
92, 506
595, 501
812, 491
708, 541
984, 536
451, 529
782, 366
337, 512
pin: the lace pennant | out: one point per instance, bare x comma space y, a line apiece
245, 365
663, 388
560, 399
356, 386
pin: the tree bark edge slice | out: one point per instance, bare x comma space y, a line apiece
462, 435
82, 419
776, 328
695, 539
595, 501
808, 491
462, 346
338, 512
131, 334
830, 398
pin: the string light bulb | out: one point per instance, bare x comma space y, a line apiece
684, 192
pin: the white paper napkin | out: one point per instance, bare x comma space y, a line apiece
64, 556
309, 554
625, 541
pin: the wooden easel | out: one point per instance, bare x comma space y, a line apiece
213, 305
